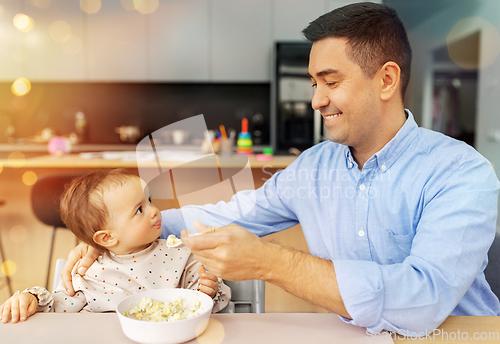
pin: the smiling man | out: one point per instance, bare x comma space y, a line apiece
398, 219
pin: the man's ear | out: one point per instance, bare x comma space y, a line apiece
390, 75
105, 238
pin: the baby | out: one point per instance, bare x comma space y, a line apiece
108, 209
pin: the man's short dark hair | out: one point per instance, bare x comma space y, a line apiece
374, 33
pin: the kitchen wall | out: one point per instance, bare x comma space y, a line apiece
148, 105
147, 67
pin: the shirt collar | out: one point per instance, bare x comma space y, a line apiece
385, 157
398, 144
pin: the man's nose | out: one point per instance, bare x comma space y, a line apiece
319, 100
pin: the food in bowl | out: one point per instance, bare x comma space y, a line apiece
151, 310
166, 332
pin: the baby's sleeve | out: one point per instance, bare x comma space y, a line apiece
190, 279
59, 301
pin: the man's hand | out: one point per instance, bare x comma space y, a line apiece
233, 253
87, 254
229, 252
21, 305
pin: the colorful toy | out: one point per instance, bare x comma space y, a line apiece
267, 154
59, 145
244, 143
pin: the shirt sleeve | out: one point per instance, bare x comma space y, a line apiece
190, 278
59, 301
446, 254
259, 211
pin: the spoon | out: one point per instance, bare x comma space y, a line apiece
173, 241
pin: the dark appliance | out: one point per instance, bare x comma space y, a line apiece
294, 124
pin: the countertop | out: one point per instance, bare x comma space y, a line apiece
241, 328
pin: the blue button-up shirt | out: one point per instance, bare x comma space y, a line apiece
408, 234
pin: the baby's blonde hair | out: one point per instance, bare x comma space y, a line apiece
82, 205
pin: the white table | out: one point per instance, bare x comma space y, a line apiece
240, 328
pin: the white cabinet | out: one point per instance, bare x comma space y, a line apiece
47, 59
12, 53
179, 39
241, 40
117, 44
291, 17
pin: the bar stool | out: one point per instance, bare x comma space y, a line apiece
4, 281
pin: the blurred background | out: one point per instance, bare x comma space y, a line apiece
83, 69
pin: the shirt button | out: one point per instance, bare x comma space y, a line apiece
383, 167
361, 233
362, 187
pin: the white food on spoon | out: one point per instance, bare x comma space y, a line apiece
173, 241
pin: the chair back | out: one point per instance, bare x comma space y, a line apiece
45, 196
492, 271
246, 297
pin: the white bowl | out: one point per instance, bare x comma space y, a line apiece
151, 332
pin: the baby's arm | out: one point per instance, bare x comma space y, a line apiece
196, 277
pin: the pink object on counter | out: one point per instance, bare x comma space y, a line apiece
264, 157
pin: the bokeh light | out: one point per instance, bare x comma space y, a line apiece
41, 4
73, 45
489, 42
21, 86
16, 159
214, 334
8, 268
128, 5
90, 6
146, 6
60, 31
1, 167
23, 22
18, 234
29, 178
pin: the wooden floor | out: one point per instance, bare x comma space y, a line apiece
26, 242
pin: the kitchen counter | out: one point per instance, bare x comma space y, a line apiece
99, 160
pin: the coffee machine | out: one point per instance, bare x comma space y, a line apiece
294, 124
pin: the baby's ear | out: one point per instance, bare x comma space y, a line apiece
105, 238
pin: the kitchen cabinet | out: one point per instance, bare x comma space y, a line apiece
241, 40
179, 41
117, 44
11, 47
288, 24
46, 59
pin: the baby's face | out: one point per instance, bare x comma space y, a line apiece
134, 220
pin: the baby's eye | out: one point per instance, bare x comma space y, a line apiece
149, 199
139, 211
313, 85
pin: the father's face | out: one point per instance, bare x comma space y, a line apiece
346, 98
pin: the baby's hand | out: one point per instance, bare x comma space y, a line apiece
208, 283
22, 306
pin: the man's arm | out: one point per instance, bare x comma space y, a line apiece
235, 254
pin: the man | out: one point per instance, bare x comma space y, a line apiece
398, 219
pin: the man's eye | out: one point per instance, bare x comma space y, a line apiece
314, 85
139, 211
331, 83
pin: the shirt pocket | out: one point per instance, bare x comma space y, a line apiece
398, 246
